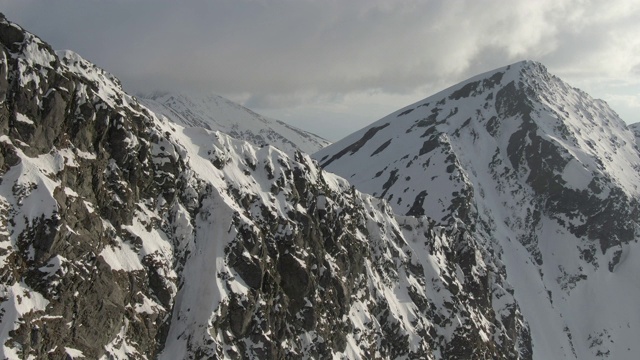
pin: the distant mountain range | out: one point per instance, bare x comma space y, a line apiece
497, 219
214, 112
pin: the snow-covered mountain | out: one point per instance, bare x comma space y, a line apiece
635, 128
214, 112
127, 236
545, 177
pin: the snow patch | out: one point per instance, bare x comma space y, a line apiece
24, 119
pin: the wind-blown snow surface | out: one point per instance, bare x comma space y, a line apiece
126, 236
214, 112
549, 179
636, 131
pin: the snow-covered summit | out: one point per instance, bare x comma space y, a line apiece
516, 112
217, 113
545, 176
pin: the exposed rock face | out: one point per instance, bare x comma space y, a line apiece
127, 236
545, 178
80, 175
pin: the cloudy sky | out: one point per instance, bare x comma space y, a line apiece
334, 66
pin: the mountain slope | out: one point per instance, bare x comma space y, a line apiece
126, 236
635, 128
217, 113
545, 176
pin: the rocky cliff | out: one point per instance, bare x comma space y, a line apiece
127, 236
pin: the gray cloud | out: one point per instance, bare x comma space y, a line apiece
283, 55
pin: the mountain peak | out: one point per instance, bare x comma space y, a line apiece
522, 73
524, 68
546, 175
528, 65
500, 110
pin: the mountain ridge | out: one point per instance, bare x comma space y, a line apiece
636, 131
125, 235
215, 112
428, 117
545, 177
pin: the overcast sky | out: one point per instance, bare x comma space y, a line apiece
334, 66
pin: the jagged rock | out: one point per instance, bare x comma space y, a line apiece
126, 236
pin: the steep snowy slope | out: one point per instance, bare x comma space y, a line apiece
635, 128
217, 113
126, 236
546, 177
